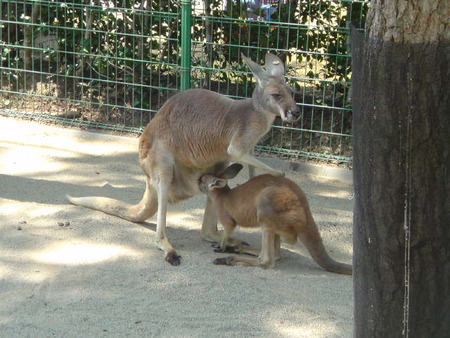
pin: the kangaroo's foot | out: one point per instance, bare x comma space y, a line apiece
173, 258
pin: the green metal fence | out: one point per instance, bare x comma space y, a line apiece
111, 64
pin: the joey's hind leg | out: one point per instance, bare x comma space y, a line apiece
268, 250
266, 257
254, 252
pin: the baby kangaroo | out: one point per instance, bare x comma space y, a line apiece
278, 206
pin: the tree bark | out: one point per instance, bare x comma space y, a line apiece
401, 126
209, 40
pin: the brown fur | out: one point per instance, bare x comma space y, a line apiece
197, 132
278, 206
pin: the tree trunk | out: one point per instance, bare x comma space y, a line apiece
28, 38
209, 44
401, 126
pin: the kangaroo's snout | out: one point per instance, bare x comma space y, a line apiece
291, 115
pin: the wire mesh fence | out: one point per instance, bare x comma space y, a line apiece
112, 64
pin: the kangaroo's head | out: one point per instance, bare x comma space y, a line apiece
272, 94
209, 183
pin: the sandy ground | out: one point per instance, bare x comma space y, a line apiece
66, 271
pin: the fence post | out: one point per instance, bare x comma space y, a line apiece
186, 23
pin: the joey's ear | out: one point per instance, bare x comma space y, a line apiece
231, 171
256, 69
217, 183
274, 65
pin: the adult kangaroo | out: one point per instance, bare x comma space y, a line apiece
278, 206
196, 132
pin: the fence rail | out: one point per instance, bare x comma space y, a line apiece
109, 64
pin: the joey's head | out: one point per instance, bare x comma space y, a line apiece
209, 183
272, 94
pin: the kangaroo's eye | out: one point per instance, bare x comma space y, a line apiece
276, 96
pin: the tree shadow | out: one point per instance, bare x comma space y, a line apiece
53, 192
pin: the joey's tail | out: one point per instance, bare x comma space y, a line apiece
312, 240
146, 208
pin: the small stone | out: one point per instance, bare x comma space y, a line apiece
61, 224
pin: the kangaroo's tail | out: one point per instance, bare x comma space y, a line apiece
146, 208
312, 240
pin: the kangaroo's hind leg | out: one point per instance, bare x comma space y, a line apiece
160, 167
162, 241
266, 258
254, 252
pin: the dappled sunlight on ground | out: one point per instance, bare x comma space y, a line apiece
73, 141
189, 219
25, 160
36, 210
336, 193
81, 253
330, 215
27, 151
34, 275
317, 328
10, 207
64, 266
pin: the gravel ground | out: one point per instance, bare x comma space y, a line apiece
66, 271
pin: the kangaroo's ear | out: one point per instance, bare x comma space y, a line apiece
274, 65
217, 183
256, 69
231, 171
